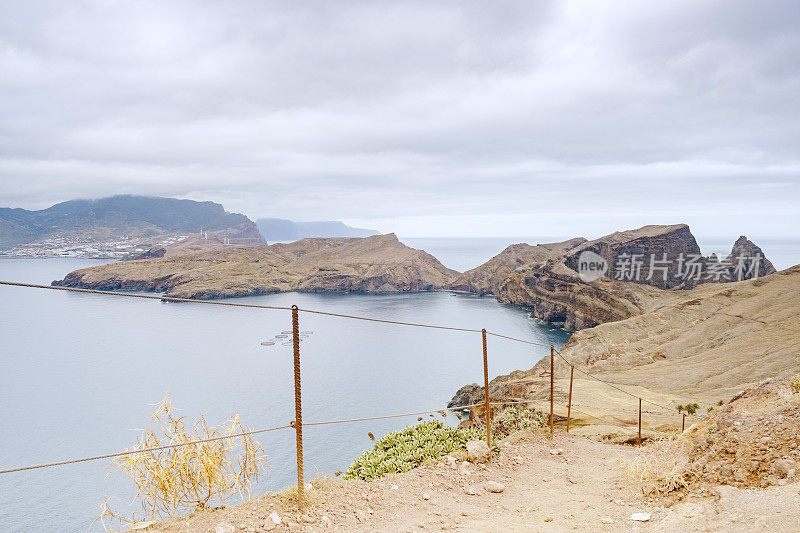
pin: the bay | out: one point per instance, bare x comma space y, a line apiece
79, 374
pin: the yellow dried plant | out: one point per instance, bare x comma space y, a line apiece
662, 466
171, 479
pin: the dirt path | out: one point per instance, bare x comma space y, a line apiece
568, 484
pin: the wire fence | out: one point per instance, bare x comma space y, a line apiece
547, 405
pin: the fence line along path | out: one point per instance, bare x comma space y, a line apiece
298, 423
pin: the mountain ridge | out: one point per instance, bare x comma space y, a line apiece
118, 217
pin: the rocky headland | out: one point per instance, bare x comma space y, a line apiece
638, 266
676, 328
207, 268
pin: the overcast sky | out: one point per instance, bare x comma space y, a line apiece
424, 118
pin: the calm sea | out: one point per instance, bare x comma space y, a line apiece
79, 372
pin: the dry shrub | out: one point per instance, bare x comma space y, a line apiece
662, 466
171, 480
794, 383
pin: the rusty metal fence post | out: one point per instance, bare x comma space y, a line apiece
486, 405
298, 408
683, 423
569, 402
639, 436
552, 366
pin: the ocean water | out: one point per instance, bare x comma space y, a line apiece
79, 372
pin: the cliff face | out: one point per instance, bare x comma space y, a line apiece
245, 233
638, 255
703, 344
563, 298
583, 283
204, 268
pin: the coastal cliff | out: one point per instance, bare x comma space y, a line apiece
637, 265
206, 268
702, 344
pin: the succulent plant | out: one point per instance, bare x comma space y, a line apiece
400, 451
512, 419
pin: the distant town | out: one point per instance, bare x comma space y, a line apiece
67, 246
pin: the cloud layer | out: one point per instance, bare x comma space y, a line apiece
438, 118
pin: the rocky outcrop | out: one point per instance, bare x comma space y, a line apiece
580, 283
205, 268
467, 395
486, 278
245, 233
746, 261
649, 255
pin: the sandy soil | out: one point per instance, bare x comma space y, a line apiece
566, 484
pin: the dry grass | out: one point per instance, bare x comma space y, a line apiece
311, 496
662, 466
169, 481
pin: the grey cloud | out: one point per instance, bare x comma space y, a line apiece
376, 110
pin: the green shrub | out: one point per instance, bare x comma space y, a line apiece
511, 420
692, 408
795, 383
400, 451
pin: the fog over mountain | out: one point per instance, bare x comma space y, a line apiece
278, 229
445, 118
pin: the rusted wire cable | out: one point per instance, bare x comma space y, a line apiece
384, 321
587, 374
144, 450
254, 306
142, 296
517, 340
178, 445
400, 415
255, 432
543, 402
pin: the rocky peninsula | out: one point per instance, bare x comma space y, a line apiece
639, 265
206, 268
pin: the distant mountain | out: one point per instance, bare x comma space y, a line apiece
278, 229
121, 216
